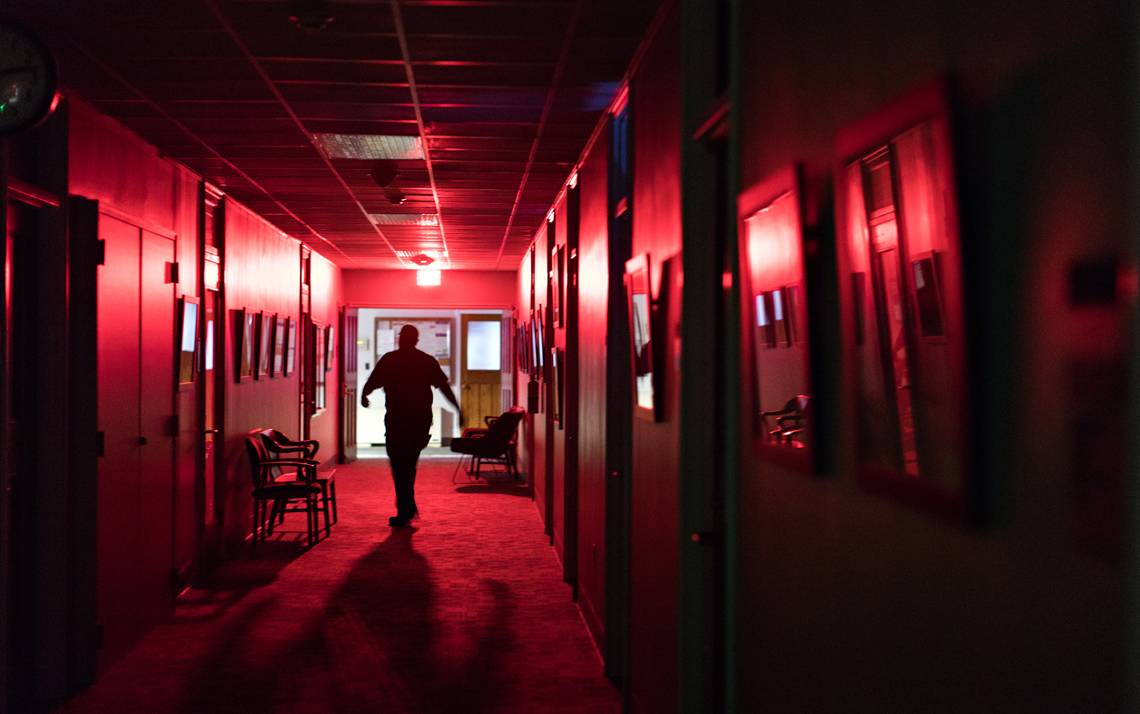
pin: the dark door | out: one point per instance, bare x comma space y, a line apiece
348, 379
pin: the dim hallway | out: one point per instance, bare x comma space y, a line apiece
465, 611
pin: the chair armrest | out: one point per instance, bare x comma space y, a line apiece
474, 432
301, 463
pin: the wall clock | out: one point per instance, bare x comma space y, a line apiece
27, 80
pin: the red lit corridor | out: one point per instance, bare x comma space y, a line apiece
464, 612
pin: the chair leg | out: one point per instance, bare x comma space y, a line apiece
256, 511
332, 492
325, 494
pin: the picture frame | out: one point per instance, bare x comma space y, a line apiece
640, 304
188, 339
290, 346
896, 205
557, 279
330, 346
771, 226
556, 361
243, 344
540, 346
262, 350
278, 362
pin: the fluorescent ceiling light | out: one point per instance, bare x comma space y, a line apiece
404, 219
369, 146
429, 278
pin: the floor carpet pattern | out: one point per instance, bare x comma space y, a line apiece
465, 611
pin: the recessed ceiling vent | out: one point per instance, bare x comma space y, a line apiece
404, 219
369, 147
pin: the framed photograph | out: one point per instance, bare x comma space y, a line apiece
540, 333
243, 344
532, 335
330, 346
900, 258
556, 360
771, 226
290, 346
640, 303
278, 361
261, 364
188, 340
557, 272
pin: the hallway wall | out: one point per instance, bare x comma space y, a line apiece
156, 522
593, 291
459, 289
882, 602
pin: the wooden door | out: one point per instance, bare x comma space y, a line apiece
348, 378
481, 367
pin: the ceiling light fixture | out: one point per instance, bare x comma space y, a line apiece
383, 173
405, 219
369, 147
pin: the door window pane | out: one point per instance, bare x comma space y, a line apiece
484, 345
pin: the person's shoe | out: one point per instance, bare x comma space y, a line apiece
397, 522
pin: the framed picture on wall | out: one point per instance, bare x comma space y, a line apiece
556, 360
278, 361
540, 334
330, 346
290, 346
900, 258
261, 366
640, 304
774, 273
532, 336
188, 340
243, 344
557, 258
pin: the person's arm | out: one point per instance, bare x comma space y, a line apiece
375, 381
444, 386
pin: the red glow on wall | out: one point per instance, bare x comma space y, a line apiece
773, 235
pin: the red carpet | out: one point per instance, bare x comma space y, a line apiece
465, 612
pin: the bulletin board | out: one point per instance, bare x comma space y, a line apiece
435, 337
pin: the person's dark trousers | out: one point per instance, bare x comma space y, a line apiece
403, 457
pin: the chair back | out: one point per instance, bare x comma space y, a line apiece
255, 449
501, 431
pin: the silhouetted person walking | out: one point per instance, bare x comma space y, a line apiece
407, 375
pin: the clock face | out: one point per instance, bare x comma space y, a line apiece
27, 80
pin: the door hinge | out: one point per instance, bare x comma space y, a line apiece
172, 272
100, 444
100, 252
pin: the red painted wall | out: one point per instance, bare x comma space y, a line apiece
146, 503
593, 294
327, 299
655, 112
557, 438
895, 605
463, 289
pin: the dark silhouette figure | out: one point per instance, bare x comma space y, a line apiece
407, 375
